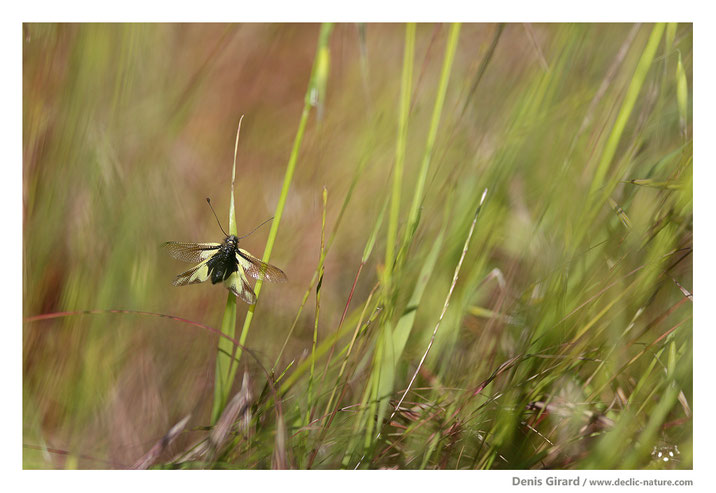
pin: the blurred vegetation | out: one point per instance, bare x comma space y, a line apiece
565, 343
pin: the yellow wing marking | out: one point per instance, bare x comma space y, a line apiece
198, 273
258, 269
237, 284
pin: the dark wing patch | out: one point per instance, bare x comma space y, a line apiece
191, 252
237, 284
258, 269
198, 273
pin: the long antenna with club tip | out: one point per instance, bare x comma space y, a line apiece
257, 227
208, 201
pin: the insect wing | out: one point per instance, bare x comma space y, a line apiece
258, 269
191, 252
237, 284
198, 273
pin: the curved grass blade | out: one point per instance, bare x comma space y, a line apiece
320, 71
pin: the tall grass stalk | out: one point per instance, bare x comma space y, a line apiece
336, 225
394, 337
225, 369
445, 305
413, 215
635, 85
319, 75
321, 261
400, 145
367, 250
383, 349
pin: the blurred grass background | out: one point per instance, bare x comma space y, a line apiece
567, 342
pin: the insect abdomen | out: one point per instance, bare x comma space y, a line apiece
221, 266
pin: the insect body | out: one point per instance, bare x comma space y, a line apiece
223, 262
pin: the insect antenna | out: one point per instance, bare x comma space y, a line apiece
257, 227
208, 201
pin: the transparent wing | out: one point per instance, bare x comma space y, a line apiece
191, 252
258, 269
198, 273
237, 284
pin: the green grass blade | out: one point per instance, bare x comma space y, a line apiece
456, 274
318, 310
367, 250
401, 143
319, 69
336, 226
682, 96
414, 213
627, 106
398, 336
225, 369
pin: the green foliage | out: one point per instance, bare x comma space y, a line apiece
565, 341
225, 367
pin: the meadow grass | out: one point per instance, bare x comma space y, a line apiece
497, 234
